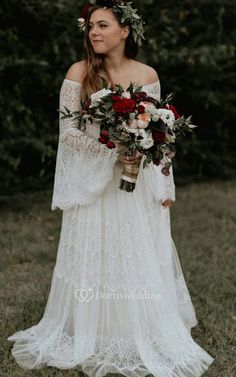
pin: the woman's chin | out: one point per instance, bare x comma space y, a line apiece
99, 50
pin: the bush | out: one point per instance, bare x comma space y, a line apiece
193, 49
192, 46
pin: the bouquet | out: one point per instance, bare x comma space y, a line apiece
139, 122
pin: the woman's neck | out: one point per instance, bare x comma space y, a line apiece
115, 64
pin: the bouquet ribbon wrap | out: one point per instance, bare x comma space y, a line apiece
129, 176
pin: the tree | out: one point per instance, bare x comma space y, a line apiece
192, 46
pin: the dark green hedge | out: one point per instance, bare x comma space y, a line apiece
191, 44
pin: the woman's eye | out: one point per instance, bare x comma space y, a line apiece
103, 26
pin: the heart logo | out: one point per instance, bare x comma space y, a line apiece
84, 294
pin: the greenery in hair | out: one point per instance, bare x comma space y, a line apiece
126, 13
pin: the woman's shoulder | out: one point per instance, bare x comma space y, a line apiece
76, 71
147, 74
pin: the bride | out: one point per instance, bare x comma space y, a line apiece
118, 301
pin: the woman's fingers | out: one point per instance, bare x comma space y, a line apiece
128, 161
167, 203
120, 147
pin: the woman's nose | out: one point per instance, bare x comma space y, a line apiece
95, 30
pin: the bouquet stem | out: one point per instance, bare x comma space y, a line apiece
129, 176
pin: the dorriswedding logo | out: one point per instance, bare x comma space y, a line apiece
87, 294
84, 294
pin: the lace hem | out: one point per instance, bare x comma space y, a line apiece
46, 344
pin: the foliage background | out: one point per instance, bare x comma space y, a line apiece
190, 44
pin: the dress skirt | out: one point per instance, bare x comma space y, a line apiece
118, 301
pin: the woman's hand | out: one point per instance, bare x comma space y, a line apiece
167, 203
125, 157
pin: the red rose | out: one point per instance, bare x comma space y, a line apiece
165, 171
173, 109
140, 96
86, 105
116, 98
158, 136
125, 105
85, 10
156, 162
141, 109
111, 145
102, 140
105, 134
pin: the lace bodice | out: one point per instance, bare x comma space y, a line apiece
84, 166
70, 97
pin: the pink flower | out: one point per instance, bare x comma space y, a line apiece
143, 120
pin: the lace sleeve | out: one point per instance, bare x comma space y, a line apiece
170, 185
154, 90
69, 132
83, 165
164, 185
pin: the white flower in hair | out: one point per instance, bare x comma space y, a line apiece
126, 13
81, 23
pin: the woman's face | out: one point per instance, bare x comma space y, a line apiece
105, 33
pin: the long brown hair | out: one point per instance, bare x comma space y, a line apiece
95, 71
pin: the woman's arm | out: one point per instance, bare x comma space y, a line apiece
84, 166
69, 132
170, 189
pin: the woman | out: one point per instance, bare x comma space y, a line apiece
118, 301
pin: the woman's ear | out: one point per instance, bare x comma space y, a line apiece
125, 32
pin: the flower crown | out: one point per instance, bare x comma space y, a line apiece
124, 10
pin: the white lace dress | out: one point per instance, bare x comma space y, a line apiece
118, 301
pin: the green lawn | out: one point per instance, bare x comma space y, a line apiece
204, 231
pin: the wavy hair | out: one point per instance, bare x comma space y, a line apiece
95, 71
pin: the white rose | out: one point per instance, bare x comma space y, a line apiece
143, 120
132, 116
149, 107
147, 139
166, 116
133, 123
126, 94
131, 128
154, 114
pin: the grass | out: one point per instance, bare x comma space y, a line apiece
204, 231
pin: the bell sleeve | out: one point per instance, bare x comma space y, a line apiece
164, 186
84, 166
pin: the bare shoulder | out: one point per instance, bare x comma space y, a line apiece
148, 73
151, 74
76, 71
